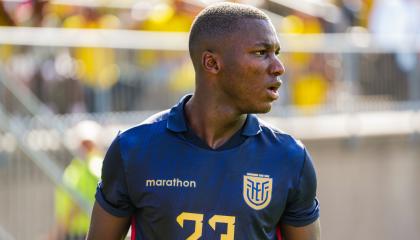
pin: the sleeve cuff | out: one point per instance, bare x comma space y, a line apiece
300, 223
305, 217
100, 198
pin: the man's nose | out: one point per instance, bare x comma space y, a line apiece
277, 67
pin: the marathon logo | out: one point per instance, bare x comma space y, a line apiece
176, 182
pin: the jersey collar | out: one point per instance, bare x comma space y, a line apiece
177, 122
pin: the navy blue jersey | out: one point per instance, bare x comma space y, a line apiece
175, 187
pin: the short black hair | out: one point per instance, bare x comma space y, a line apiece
220, 19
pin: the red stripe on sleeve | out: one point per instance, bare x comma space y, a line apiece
278, 233
133, 228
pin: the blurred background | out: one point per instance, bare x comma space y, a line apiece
73, 73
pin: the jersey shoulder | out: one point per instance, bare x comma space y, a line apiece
281, 139
140, 134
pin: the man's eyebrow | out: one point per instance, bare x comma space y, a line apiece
267, 45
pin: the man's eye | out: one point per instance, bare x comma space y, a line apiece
260, 52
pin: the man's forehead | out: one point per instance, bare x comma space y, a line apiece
251, 23
257, 32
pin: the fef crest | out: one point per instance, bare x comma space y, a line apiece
257, 190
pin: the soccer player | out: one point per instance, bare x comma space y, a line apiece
208, 168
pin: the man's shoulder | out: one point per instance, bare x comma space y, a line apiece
279, 137
154, 124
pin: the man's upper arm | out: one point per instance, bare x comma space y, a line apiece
300, 219
106, 226
308, 232
113, 209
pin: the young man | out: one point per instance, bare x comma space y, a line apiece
208, 168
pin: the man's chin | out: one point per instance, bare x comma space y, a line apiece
265, 110
261, 109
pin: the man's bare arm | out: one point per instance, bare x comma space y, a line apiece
308, 232
104, 226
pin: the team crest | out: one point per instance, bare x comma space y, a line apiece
257, 190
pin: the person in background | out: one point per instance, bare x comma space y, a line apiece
82, 175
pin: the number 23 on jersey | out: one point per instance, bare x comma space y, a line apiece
197, 218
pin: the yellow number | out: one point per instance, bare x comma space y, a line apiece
229, 220
197, 218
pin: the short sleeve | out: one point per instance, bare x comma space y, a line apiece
302, 206
112, 193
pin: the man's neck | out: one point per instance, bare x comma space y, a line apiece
215, 123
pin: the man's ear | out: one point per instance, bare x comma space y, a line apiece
210, 62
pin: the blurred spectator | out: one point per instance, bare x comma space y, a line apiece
97, 67
394, 25
396, 21
308, 85
171, 17
5, 18
30, 13
81, 175
353, 13
172, 69
6, 51
365, 12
